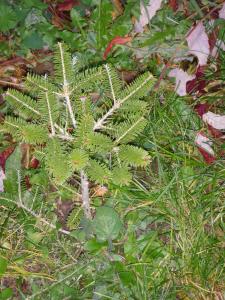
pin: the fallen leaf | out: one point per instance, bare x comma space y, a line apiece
204, 143
182, 78
67, 5
213, 36
201, 108
25, 150
99, 191
198, 43
214, 120
4, 155
63, 209
222, 12
118, 40
220, 45
209, 159
173, 4
197, 84
2, 177
204, 146
27, 182
34, 163
147, 13
118, 8
215, 133
57, 22
128, 76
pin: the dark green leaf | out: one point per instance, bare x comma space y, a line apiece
107, 223
8, 19
33, 41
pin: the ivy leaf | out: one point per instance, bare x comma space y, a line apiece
107, 224
8, 19
37, 4
33, 41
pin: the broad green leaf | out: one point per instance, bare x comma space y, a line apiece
13, 163
6, 294
33, 41
107, 224
34, 17
8, 18
3, 265
93, 245
37, 4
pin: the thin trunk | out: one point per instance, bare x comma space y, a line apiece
85, 194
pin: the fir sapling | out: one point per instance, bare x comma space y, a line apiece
71, 134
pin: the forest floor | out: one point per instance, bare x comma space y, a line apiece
172, 242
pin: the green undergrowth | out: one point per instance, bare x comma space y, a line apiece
168, 243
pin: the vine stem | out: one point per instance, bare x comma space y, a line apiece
85, 194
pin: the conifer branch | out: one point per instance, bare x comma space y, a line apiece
23, 103
11, 124
130, 129
66, 92
50, 115
86, 153
59, 128
110, 83
28, 79
85, 194
38, 84
65, 82
68, 103
65, 137
100, 123
63, 134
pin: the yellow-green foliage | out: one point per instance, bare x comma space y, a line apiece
73, 133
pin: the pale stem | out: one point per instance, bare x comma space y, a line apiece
110, 83
85, 194
65, 88
68, 103
50, 115
129, 130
